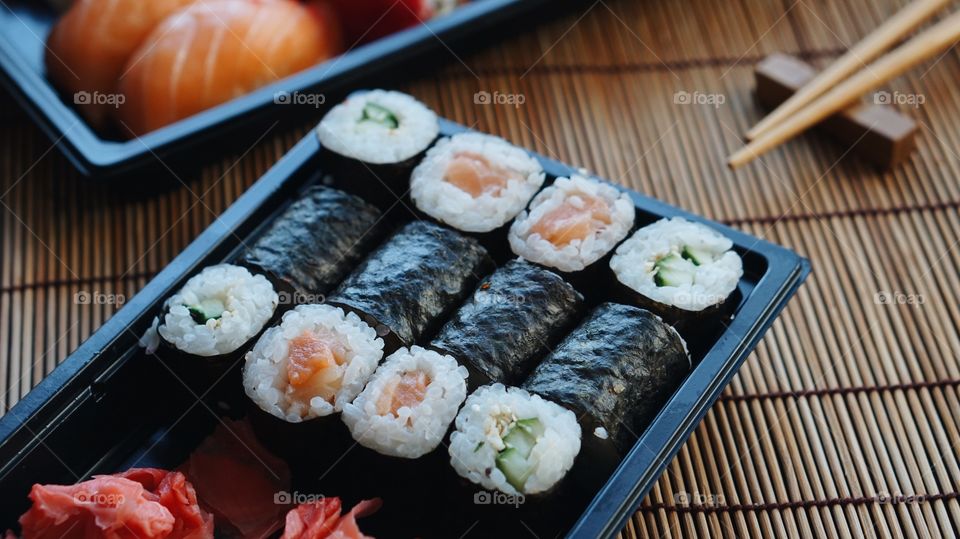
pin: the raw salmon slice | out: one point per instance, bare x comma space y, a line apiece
216, 50
576, 218
474, 174
406, 390
90, 44
313, 367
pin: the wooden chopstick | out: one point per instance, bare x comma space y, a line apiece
922, 47
867, 50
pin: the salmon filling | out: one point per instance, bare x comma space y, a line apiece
315, 366
578, 217
406, 390
473, 174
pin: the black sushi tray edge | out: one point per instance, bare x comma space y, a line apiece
206, 133
87, 370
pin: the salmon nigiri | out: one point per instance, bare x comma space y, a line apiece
213, 51
90, 44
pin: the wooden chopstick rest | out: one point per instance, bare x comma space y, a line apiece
879, 134
924, 46
872, 46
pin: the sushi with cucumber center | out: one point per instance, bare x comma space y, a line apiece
512, 441
679, 264
215, 313
379, 127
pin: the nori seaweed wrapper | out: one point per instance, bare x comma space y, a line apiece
413, 281
385, 185
514, 318
685, 321
312, 245
615, 370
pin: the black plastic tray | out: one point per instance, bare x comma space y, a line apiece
24, 25
84, 417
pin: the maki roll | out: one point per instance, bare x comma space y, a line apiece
206, 326
217, 311
475, 183
377, 136
615, 371
409, 403
312, 364
414, 280
509, 440
678, 268
313, 244
572, 224
513, 319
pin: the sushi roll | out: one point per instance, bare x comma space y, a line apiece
475, 183
509, 440
311, 246
413, 281
204, 328
312, 364
678, 268
615, 371
572, 224
217, 311
409, 403
513, 319
377, 136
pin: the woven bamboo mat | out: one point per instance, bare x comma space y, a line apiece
844, 422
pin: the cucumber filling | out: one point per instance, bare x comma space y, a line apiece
208, 309
374, 113
513, 460
674, 270
699, 257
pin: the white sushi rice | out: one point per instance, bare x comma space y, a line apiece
248, 303
713, 280
413, 431
265, 369
483, 422
343, 132
578, 254
449, 204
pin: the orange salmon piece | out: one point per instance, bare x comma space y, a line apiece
216, 50
313, 366
567, 222
407, 390
475, 175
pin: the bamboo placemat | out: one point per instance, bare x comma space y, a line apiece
844, 422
